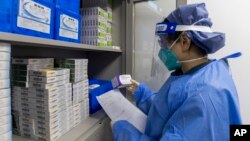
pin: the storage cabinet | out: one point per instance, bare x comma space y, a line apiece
104, 63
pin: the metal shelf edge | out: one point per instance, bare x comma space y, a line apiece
17, 39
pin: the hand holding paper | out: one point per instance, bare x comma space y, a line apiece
119, 108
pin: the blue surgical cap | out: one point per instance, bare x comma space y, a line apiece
189, 15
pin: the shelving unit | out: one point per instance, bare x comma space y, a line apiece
104, 63
84, 131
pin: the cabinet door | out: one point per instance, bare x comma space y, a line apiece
144, 16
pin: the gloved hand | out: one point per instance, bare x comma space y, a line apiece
131, 89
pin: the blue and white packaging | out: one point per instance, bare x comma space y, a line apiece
67, 26
34, 18
121, 81
73, 5
5, 15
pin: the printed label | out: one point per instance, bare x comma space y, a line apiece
34, 16
68, 34
68, 27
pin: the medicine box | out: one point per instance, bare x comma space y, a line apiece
4, 47
5, 111
120, 81
6, 136
4, 93
5, 14
33, 61
5, 128
94, 12
39, 79
67, 26
94, 32
5, 102
5, 83
32, 67
4, 56
73, 5
4, 65
95, 41
97, 88
5, 120
4, 74
50, 72
109, 40
34, 18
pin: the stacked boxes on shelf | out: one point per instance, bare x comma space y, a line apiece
42, 108
5, 99
94, 26
33, 17
21, 67
68, 20
107, 6
79, 78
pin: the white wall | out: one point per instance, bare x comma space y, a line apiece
233, 18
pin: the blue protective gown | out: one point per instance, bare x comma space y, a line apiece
199, 105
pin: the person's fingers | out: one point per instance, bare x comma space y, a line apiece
135, 82
130, 89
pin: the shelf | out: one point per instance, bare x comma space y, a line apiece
16, 39
77, 131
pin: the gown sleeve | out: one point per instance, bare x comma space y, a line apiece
144, 97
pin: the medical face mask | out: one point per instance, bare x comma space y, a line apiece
168, 58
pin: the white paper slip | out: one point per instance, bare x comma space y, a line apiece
119, 108
4, 74
6, 137
4, 93
5, 47
4, 65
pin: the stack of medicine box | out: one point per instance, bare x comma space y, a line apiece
5, 99
107, 6
21, 67
94, 25
45, 111
79, 78
20, 80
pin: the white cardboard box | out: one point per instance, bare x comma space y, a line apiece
5, 102
4, 56
4, 65
6, 136
49, 72
4, 74
5, 128
32, 61
4, 47
4, 93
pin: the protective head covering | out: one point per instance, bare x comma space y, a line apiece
193, 20
190, 14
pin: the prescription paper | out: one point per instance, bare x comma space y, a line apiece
119, 108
